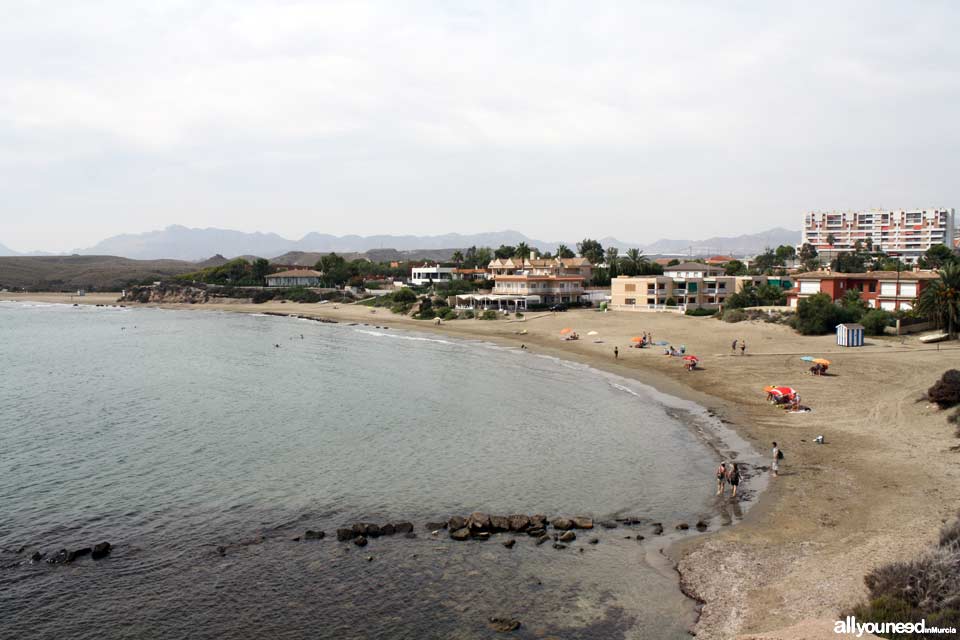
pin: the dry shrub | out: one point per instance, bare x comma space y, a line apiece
946, 391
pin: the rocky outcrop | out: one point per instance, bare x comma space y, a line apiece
166, 293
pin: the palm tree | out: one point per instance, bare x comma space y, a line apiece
612, 258
522, 251
635, 262
940, 299
563, 251
457, 257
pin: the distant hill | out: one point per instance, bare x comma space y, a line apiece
68, 273
310, 258
7, 251
745, 245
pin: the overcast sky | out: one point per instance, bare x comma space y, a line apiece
560, 120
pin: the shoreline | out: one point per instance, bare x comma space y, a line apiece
798, 556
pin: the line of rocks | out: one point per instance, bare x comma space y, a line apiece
63, 556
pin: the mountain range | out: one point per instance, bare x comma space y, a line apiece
177, 242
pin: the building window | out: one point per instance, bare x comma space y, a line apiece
630, 301
651, 301
873, 287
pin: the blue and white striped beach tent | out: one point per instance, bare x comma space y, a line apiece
850, 335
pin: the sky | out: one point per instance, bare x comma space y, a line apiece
558, 119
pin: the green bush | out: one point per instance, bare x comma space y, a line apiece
403, 308
489, 314
875, 321
448, 314
701, 312
734, 315
404, 294
299, 294
818, 315
468, 314
426, 314
261, 296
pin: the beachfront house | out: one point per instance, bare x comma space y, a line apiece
888, 290
427, 275
684, 286
523, 283
295, 278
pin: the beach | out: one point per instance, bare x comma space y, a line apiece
876, 492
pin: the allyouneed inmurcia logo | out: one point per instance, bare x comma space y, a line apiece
850, 626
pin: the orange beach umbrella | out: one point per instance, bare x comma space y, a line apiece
822, 361
565, 330
691, 358
784, 391
636, 339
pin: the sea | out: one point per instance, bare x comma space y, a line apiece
202, 444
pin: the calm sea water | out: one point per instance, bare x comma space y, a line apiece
172, 433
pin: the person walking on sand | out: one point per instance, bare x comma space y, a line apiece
733, 477
743, 347
733, 346
616, 353
777, 457
721, 478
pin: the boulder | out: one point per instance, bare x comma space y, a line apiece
568, 536
683, 526
608, 524
367, 529
436, 526
81, 552
701, 525
582, 522
536, 533
456, 522
563, 524
557, 545
373, 530
504, 625
499, 523
360, 541
388, 530
346, 534
403, 527
314, 535
460, 534
509, 543
60, 557
538, 521
519, 522
479, 521
36, 557
542, 539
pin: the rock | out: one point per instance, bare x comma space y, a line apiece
388, 530
436, 526
538, 521
594, 540
81, 552
36, 557
481, 535
460, 534
683, 526
504, 625
373, 531
542, 539
479, 521
509, 544
499, 523
409, 535
519, 522
568, 536
701, 525
60, 557
295, 539
456, 522
360, 541
657, 529
366, 529
563, 524
557, 545
536, 533
582, 522
608, 524
314, 535
403, 527
346, 534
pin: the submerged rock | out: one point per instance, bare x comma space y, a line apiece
482, 535
504, 625
37, 556
456, 522
388, 530
657, 529
568, 536
509, 543
701, 525
608, 524
314, 535
557, 545
460, 534
536, 533
403, 527
360, 541
543, 538
346, 534
409, 535
60, 557
683, 526
594, 540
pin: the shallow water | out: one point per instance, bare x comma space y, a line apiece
172, 433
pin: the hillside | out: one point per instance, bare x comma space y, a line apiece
94, 273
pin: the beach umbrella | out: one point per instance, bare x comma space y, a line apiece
769, 388
565, 330
592, 333
691, 358
784, 391
636, 339
822, 361
807, 359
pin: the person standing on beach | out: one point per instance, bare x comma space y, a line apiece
777, 457
733, 477
733, 347
721, 478
743, 347
616, 353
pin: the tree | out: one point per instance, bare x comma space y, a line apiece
634, 262
612, 258
858, 246
831, 239
809, 257
335, 270
785, 252
765, 262
522, 251
937, 256
458, 258
479, 258
940, 299
854, 304
846, 262
870, 245
818, 315
875, 321
591, 250
735, 268
563, 251
261, 267
673, 262
752, 296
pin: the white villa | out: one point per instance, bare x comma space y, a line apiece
521, 283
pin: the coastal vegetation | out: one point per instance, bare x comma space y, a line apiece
940, 299
925, 588
818, 314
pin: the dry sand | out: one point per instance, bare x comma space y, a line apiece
878, 491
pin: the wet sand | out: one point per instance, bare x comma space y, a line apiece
878, 491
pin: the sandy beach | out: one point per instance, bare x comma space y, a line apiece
878, 491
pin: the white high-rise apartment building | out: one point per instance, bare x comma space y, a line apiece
904, 234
